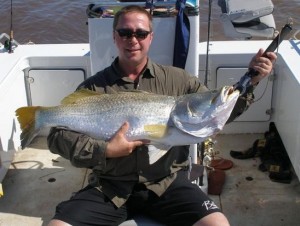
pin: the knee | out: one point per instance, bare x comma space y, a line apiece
213, 219
58, 223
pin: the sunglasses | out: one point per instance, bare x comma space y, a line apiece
128, 33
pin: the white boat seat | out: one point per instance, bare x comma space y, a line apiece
247, 19
140, 220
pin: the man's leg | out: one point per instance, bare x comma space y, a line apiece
58, 223
213, 219
88, 207
184, 203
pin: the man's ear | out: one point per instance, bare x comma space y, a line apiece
151, 36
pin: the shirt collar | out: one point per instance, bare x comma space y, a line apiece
149, 68
117, 73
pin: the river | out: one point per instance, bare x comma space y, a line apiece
64, 21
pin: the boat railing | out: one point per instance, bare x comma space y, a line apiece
296, 34
162, 8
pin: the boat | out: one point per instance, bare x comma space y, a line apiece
34, 180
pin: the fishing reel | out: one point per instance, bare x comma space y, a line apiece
208, 152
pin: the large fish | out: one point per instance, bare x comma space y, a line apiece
163, 120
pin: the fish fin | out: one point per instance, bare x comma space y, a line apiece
156, 130
197, 130
1, 190
78, 95
26, 118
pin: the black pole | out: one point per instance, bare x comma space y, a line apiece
11, 37
207, 46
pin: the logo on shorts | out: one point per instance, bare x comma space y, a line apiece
209, 205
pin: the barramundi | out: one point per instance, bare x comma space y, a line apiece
164, 121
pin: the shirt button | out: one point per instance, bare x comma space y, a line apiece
141, 171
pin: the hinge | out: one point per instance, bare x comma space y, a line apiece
30, 79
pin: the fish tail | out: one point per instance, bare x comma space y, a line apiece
26, 118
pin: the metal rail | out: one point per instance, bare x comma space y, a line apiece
107, 8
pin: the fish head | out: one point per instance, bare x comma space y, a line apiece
204, 114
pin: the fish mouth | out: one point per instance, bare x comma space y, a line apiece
229, 93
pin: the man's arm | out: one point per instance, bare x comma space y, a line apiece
84, 151
263, 65
81, 150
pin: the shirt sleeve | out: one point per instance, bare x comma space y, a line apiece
194, 85
242, 104
82, 150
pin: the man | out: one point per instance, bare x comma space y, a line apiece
123, 182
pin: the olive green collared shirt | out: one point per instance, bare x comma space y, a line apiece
116, 177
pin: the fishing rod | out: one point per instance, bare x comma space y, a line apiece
245, 79
208, 41
11, 36
150, 5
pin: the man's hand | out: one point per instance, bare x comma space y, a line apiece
119, 146
262, 64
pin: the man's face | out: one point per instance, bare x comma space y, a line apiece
133, 48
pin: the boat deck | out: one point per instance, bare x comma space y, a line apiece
38, 180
